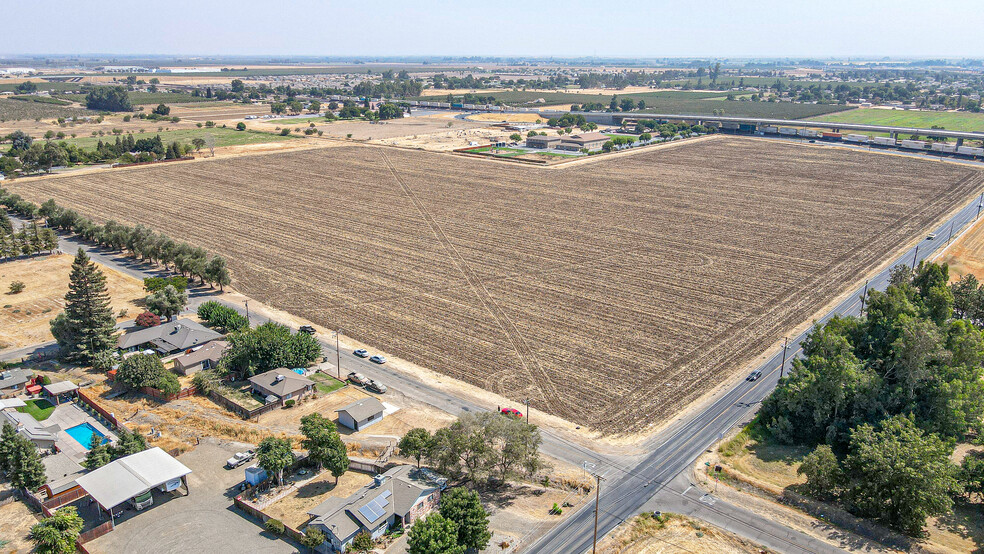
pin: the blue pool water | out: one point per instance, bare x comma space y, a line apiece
298, 371
83, 434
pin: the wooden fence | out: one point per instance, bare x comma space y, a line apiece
98, 409
244, 413
65, 498
158, 395
96, 532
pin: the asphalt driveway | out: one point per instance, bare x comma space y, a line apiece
203, 521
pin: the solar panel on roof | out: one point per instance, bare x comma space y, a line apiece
386, 494
370, 513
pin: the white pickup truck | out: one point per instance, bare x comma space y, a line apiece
240, 458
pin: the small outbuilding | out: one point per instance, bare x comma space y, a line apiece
361, 414
59, 392
133, 476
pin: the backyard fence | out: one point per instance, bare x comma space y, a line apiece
95, 532
157, 394
98, 409
244, 413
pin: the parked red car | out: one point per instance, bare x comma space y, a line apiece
511, 412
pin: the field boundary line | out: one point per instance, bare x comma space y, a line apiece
526, 355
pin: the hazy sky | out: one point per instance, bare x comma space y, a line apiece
633, 28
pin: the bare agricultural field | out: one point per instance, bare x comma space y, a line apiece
612, 293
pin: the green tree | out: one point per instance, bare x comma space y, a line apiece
972, 473
88, 326
274, 454
240, 126
899, 475
57, 534
464, 508
98, 454
128, 443
146, 370
318, 432
362, 543
822, 472
269, 346
313, 538
434, 535
161, 109
24, 467
217, 273
7, 440
198, 143
415, 443
167, 302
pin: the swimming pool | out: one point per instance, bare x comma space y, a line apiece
83, 434
299, 371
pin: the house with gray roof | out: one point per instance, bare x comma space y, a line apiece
202, 357
43, 436
402, 495
281, 385
361, 413
14, 381
168, 338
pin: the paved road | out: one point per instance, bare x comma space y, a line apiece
654, 480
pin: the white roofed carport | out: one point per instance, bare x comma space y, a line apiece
121, 480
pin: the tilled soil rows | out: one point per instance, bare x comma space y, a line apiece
612, 294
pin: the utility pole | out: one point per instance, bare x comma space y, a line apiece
247, 312
783, 366
594, 544
980, 203
914, 255
864, 296
338, 356
951, 233
527, 410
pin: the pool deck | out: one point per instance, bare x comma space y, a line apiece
66, 416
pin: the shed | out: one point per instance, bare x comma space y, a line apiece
361, 414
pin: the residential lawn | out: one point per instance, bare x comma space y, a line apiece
223, 136
138, 98
289, 121
954, 121
325, 383
39, 409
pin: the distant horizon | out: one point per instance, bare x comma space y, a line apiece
631, 30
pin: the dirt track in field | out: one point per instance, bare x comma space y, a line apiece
613, 293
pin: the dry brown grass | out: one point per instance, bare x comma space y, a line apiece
645, 535
293, 508
612, 294
16, 520
966, 255
25, 316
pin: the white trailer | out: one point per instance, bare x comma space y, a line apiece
863, 139
807, 133
943, 147
770, 130
913, 145
883, 141
970, 151
787, 131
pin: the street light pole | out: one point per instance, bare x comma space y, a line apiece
980, 203
783, 366
914, 256
864, 296
951, 233
527, 410
247, 312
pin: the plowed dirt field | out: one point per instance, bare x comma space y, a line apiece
612, 294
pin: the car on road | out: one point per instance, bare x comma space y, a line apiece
240, 458
513, 412
377, 359
931, 236
307, 329
753, 376
358, 379
376, 387
362, 353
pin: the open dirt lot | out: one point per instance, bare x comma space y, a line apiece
966, 255
293, 508
25, 316
611, 293
16, 520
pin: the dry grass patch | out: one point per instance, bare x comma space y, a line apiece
645, 535
26, 315
292, 509
17, 520
612, 294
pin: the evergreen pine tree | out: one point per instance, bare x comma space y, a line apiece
89, 315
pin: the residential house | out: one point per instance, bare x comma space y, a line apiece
588, 141
202, 357
361, 413
41, 435
281, 385
14, 381
400, 496
168, 338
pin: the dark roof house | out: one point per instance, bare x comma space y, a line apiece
283, 384
14, 380
400, 496
169, 337
201, 357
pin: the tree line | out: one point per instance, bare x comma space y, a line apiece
885, 397
30, 240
